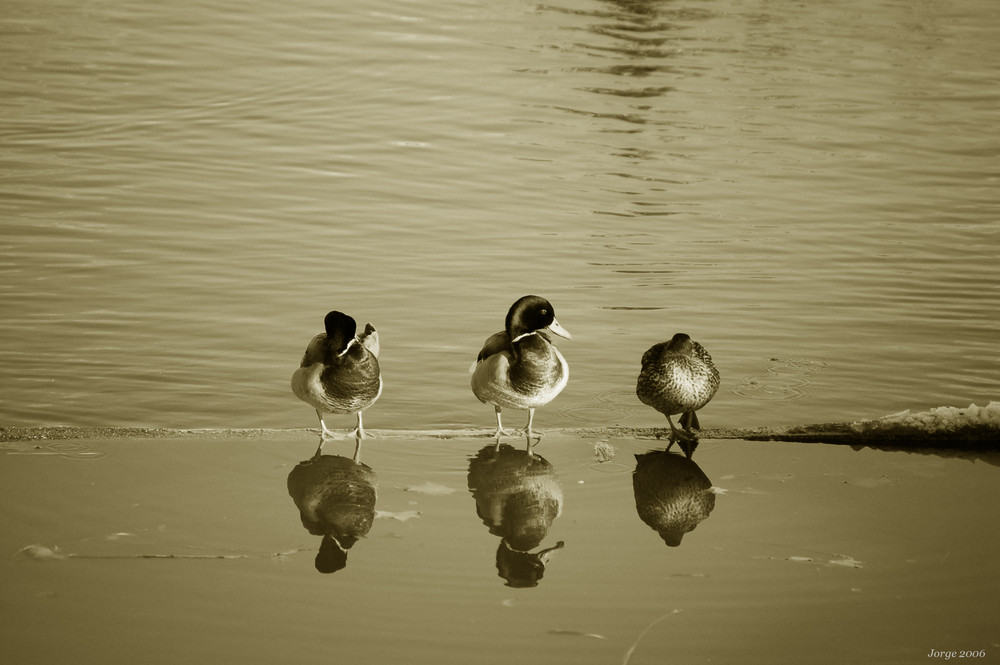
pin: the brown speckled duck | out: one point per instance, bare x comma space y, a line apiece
672, 494
339, 372
678, 377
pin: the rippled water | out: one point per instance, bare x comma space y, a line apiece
186, 188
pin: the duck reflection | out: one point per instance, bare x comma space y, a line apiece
518, 497
672, 494
336, 500
642, 36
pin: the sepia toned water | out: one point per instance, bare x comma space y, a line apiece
810, 190
194, 550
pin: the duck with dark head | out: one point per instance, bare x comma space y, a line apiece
519, 367
339, 372
336, 500
518, 497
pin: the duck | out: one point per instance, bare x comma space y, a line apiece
519, 367
518, 497
339, 372
336, 498
678, 377
672, 494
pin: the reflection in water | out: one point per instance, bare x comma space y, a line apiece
650, 34
672, 494
518, 497
336, 499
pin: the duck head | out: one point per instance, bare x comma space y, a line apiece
340, 331
523, 569
531, 314
332, 556
680, 343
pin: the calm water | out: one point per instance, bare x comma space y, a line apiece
804, 554
809, 189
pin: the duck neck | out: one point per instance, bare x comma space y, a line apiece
530, 349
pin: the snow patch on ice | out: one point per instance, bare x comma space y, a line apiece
939, 420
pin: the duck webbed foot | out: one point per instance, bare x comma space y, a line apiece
500, 431
689, 421
687, 437
324, 432
528, 443
530, 433
359, 432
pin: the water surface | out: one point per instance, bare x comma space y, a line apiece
808, 189
187, 188
191, 549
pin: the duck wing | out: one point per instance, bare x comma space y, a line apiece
653, 355
315, 352
494, 344
702, 354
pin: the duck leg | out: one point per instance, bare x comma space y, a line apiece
528, 446
359, 431
500, 430
689, 421
688, 440
357, 450
319, 451
323, 432
530, 432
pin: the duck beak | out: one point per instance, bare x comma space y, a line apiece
546, 554
559, 330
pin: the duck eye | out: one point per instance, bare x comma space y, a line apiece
544, 312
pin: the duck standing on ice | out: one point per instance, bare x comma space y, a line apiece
339, 372
519, 367
678, 377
